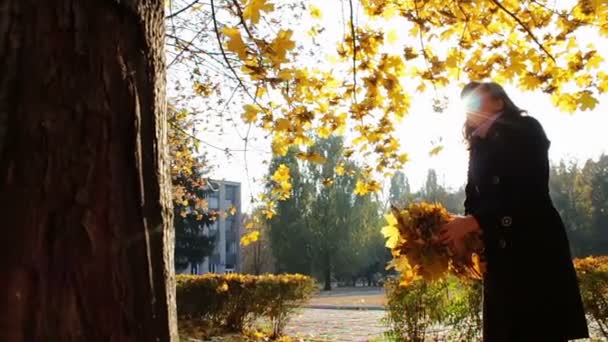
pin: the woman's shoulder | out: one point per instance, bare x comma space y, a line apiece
529, 128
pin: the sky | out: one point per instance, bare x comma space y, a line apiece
576, 137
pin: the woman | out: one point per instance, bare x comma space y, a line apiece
530, 289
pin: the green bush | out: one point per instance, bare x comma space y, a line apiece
232, 300
412, 309
456, 304
462, 314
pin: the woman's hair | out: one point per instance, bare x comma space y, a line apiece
496, 91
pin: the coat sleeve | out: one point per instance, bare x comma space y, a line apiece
527, 183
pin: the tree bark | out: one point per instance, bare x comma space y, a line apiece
327, 272
85, 209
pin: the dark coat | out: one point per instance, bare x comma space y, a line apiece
531, 291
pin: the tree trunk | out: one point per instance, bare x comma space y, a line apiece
87, 249
327, 273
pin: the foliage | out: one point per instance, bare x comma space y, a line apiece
190, 211
593, 279
233, 300
580, 194
323, 228
413, 309
412, 235
257, 255
456, 303
374, 72
462, 313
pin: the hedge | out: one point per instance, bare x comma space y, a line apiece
593, 279
232, 300
412, 310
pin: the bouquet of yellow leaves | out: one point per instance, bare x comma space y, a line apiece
412, 235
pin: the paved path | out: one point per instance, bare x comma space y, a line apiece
337, 325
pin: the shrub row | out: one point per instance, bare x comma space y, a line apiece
593, 280
414, 309
233, 300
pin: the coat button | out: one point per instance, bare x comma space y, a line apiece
502, 243
495, 180
506, 221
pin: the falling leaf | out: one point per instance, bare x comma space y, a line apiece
232, 211
315, 12
250, 238
435, 151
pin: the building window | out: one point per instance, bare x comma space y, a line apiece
232, 248
231, 193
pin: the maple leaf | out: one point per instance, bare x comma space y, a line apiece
280, 45
390, 231
251, 112
254, 7
587, 101
235, 42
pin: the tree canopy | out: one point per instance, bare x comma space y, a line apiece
265, 60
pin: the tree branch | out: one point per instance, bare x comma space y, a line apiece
512, 15
172, 15
353, 33
219, 41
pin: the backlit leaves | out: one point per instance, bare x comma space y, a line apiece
369, 83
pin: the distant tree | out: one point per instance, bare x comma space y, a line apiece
400, 192
193, 243
289, 238
258, 255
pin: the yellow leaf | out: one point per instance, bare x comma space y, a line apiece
282, 124
280, 45
340, 169
587, 101
235, 42
250, 238
392, 36
232, 211
251, 112
594, 61
281, 174
435, 151
311, 157
254, 7
360, 188
315, 12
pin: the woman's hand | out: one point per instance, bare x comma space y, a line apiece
454, 232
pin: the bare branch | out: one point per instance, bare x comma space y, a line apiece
219, 41
353, 33
175, 14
